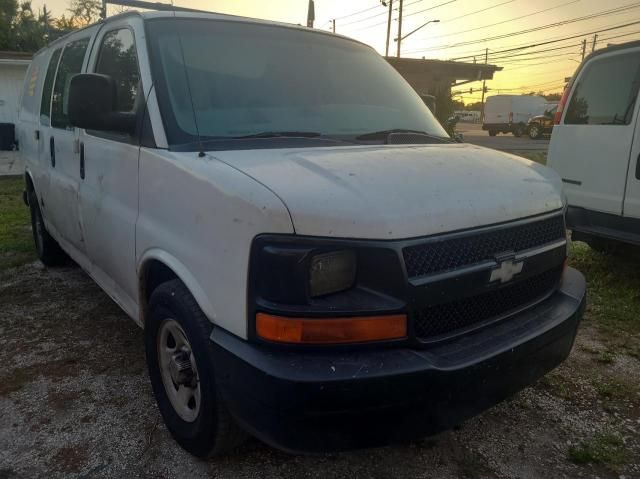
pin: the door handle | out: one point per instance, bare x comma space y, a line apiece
36, 134
82, 160
52, 151
638, 168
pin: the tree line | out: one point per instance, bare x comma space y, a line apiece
23, 30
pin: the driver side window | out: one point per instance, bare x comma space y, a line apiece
118, 59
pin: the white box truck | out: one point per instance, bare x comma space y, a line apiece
510, 113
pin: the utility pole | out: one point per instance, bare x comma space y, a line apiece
584, 48
484, 83
399, 28
45, 19
311, 14
386, 51
333, 22
593, 45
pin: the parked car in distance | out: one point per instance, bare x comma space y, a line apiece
468, 116
595, 148
511, 113
313, 260
541, 125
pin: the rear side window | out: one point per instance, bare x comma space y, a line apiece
70, 65
606, 92
118, 59
45, 105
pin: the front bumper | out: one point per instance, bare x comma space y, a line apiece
328, 400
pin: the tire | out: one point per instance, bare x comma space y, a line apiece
535, 131
202, 425
518, 131
48, 250
493, 132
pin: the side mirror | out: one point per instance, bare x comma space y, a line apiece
92, 102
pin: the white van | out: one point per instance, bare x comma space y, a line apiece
312, 259
511, 113
595, 148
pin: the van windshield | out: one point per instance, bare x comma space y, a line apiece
221, 80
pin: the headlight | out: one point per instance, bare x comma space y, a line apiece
332, 272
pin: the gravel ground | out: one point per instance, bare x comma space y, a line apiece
75, 401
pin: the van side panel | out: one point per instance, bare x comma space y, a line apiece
631, 206
201, 216
592, 155
28, 131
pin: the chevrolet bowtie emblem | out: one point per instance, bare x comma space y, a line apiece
506, 271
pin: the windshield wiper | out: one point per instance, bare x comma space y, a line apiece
384, 134
280, 134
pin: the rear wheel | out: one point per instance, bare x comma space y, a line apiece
535, 131
493, 132
518, 131
180, 362
48, 249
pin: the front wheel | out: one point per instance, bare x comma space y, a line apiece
535, 131
180, 362
493, 132
48, 249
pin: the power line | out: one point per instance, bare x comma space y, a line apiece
613, 11
548, 42
406, 15
534, 52
376, 15
478, 11
538, 12
358, 12
431, 8
520, 61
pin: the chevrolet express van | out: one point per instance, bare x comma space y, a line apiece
312, 259
595, 148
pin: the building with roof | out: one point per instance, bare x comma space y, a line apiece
437, 77
13, 67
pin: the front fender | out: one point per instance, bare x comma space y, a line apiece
182, 272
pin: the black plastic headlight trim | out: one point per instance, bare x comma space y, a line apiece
278, 281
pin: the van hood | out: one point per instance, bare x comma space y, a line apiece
397, 191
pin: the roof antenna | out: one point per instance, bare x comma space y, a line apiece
186, 74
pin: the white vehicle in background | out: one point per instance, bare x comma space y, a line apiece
511, 113
468, 116
313, 260
595, 148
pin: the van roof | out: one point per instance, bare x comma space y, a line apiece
612, 48
148, 15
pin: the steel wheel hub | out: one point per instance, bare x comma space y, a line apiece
179, 370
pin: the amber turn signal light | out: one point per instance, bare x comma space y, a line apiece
361, 329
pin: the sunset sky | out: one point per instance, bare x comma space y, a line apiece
473, 24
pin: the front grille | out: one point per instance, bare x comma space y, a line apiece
464, 313
446, 254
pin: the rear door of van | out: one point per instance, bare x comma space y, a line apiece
28, 127
632, 192
496, 111
591, 147
61, 149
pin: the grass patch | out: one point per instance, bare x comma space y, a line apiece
16, 243
604, 449
613, 292
612, 388
558, 385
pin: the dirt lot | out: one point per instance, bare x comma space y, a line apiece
75, 400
